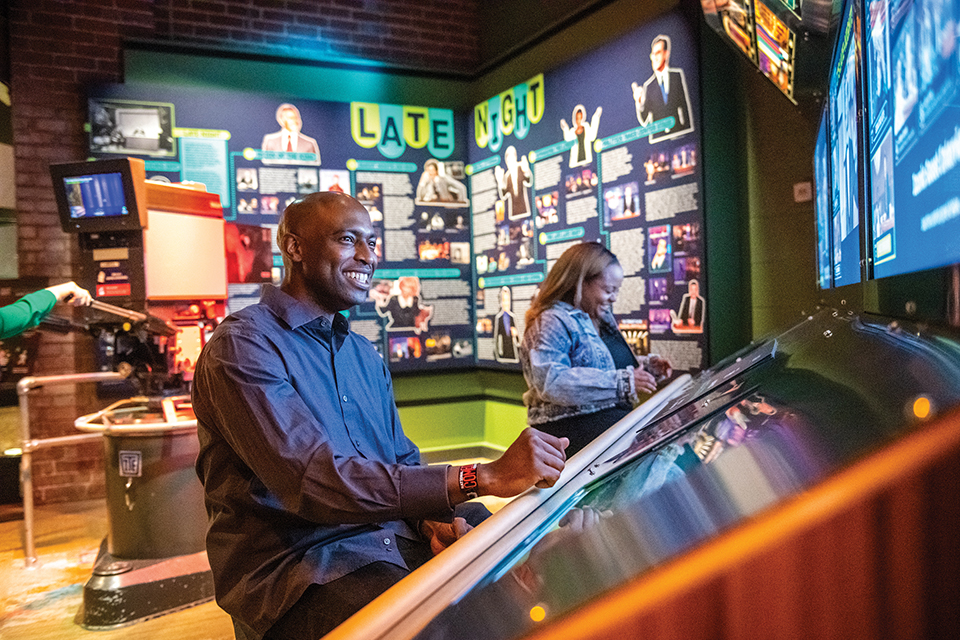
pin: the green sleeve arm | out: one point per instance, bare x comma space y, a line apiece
25, 313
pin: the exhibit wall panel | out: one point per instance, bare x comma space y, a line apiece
259, 153
604, 148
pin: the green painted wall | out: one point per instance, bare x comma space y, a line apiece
779, 144
725, 198
452, 410
314, 81
444, 426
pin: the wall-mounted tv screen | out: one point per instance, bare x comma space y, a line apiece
844, 107
822, 204
788, 40
913, 111
106, 195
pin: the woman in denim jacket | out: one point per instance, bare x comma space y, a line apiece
582, 375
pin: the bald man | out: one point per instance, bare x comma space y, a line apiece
317, 500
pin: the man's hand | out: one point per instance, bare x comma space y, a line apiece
444, 534
534, 459
639, 95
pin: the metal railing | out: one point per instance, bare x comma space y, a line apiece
29, 445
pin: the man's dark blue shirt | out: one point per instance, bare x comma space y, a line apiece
307, 472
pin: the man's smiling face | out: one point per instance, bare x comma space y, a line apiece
290, 120
337, 254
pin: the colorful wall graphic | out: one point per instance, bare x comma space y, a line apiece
471, 208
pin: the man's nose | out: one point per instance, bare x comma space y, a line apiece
366, 254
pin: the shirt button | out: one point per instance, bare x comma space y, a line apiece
386, 541
345, 398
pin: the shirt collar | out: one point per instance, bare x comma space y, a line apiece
297, 314
287, 308
569, 308
663, 78
607, 320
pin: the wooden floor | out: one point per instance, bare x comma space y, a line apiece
42, 603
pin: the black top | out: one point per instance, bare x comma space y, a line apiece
622, 354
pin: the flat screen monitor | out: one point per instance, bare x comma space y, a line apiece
105, 195
913, 113
844, 107
822, 204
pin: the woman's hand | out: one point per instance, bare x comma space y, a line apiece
659, 367
644, 381
72, 293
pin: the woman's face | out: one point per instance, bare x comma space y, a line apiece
600, 293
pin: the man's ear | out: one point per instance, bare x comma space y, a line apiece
291, 247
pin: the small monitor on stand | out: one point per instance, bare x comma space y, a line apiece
106, 195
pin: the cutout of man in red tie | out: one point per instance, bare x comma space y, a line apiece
289, 138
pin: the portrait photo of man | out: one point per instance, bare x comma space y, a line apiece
689, 318
513, 183
506, 335
289, 139
436, 187
664, 94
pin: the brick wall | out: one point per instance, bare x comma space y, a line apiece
58, 47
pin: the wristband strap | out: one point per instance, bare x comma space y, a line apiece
468, 480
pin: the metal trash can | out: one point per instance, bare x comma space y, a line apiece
154, 558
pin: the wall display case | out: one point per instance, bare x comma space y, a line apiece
605, 148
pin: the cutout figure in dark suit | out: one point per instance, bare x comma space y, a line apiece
506, 336
664, 94
689, 318
514, 183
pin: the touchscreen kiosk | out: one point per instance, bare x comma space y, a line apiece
107, 195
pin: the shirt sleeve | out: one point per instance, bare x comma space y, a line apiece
25, 313
556, 380
242, 395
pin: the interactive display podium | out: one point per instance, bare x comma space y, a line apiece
153, 254
153, 248
703, 458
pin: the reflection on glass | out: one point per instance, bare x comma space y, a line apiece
747, 435
733, 464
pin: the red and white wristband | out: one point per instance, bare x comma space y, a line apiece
468, 480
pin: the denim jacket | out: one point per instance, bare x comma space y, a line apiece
569, 371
